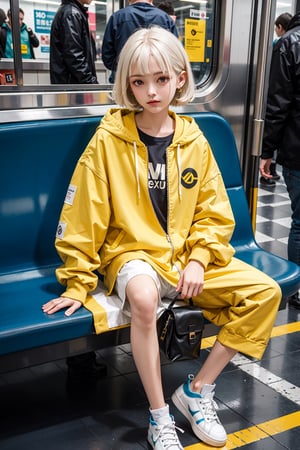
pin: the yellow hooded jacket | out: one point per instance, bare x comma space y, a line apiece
108, 218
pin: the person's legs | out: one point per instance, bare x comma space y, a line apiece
195, 397
292, 181
142, 294
216, 361
244, 302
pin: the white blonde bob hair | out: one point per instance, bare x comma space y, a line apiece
168, 53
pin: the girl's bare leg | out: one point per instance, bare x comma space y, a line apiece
142, 295
218, 358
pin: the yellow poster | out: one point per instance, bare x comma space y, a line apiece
194, 39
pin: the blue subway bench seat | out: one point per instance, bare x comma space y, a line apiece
37, 161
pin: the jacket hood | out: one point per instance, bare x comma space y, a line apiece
294, 22
119, 122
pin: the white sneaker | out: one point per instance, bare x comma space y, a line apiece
162, 435
200, 410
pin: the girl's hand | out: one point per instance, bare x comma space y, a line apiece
59, 303
191, 281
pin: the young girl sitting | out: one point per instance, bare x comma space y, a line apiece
148, 209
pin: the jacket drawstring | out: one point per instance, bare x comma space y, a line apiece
179, 171
137, 170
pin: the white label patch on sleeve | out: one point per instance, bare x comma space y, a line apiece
70, 194
61, 228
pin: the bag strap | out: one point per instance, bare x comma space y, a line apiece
175, 300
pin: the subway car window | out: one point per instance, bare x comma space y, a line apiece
195, 22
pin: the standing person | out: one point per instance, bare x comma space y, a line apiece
168, 8
29, 40
281, 24
2, 20
121, 24
281, 128
2, 16
158, 235
72, 46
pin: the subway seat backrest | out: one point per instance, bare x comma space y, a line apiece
37, 161
220, 136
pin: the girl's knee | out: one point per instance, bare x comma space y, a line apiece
143, 303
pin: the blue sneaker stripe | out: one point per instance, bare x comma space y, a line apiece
152, 421
199, 421
193, 413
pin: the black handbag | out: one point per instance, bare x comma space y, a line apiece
179, 331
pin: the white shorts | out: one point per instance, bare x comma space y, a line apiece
139, 267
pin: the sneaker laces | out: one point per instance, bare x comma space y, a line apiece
167, 434
207, 404
209, 407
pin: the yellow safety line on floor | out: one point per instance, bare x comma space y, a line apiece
277, 331
255, 433
287, 328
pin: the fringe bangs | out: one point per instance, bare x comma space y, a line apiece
141, 57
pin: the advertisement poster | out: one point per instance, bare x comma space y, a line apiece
42, 27
194, 39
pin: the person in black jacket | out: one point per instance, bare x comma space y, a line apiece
281, 24
121, 24
72, 47
282, 125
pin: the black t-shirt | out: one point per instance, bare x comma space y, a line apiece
157, 174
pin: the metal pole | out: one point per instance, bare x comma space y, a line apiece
16, 37
262, 70
262, 65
